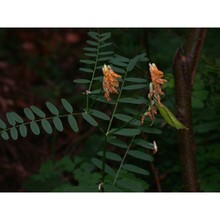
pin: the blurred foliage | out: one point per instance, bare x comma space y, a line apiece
50, 59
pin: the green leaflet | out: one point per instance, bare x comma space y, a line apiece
89, 119
68, 107
110, 155
108, 169
169, 117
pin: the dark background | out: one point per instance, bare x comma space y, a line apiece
37, 65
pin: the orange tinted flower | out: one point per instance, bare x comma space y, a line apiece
157, 80
110, 82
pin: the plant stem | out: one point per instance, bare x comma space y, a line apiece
93, 75
116, 104
185, 64
122, 162
109, 126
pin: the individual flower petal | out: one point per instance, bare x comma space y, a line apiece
110, 82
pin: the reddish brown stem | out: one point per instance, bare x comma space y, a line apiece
185, 65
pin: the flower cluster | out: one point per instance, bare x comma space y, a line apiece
155, 91
110, 82
157, 81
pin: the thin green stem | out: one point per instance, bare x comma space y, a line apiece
122, 162
109, 126
116, 105
93, 75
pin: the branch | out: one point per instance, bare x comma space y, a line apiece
185, 65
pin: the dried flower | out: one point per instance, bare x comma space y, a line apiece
157, 80
155, 147
110, 82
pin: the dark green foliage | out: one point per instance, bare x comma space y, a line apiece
18, 126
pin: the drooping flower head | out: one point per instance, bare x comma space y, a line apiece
157, 81
110, 82
154, 91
